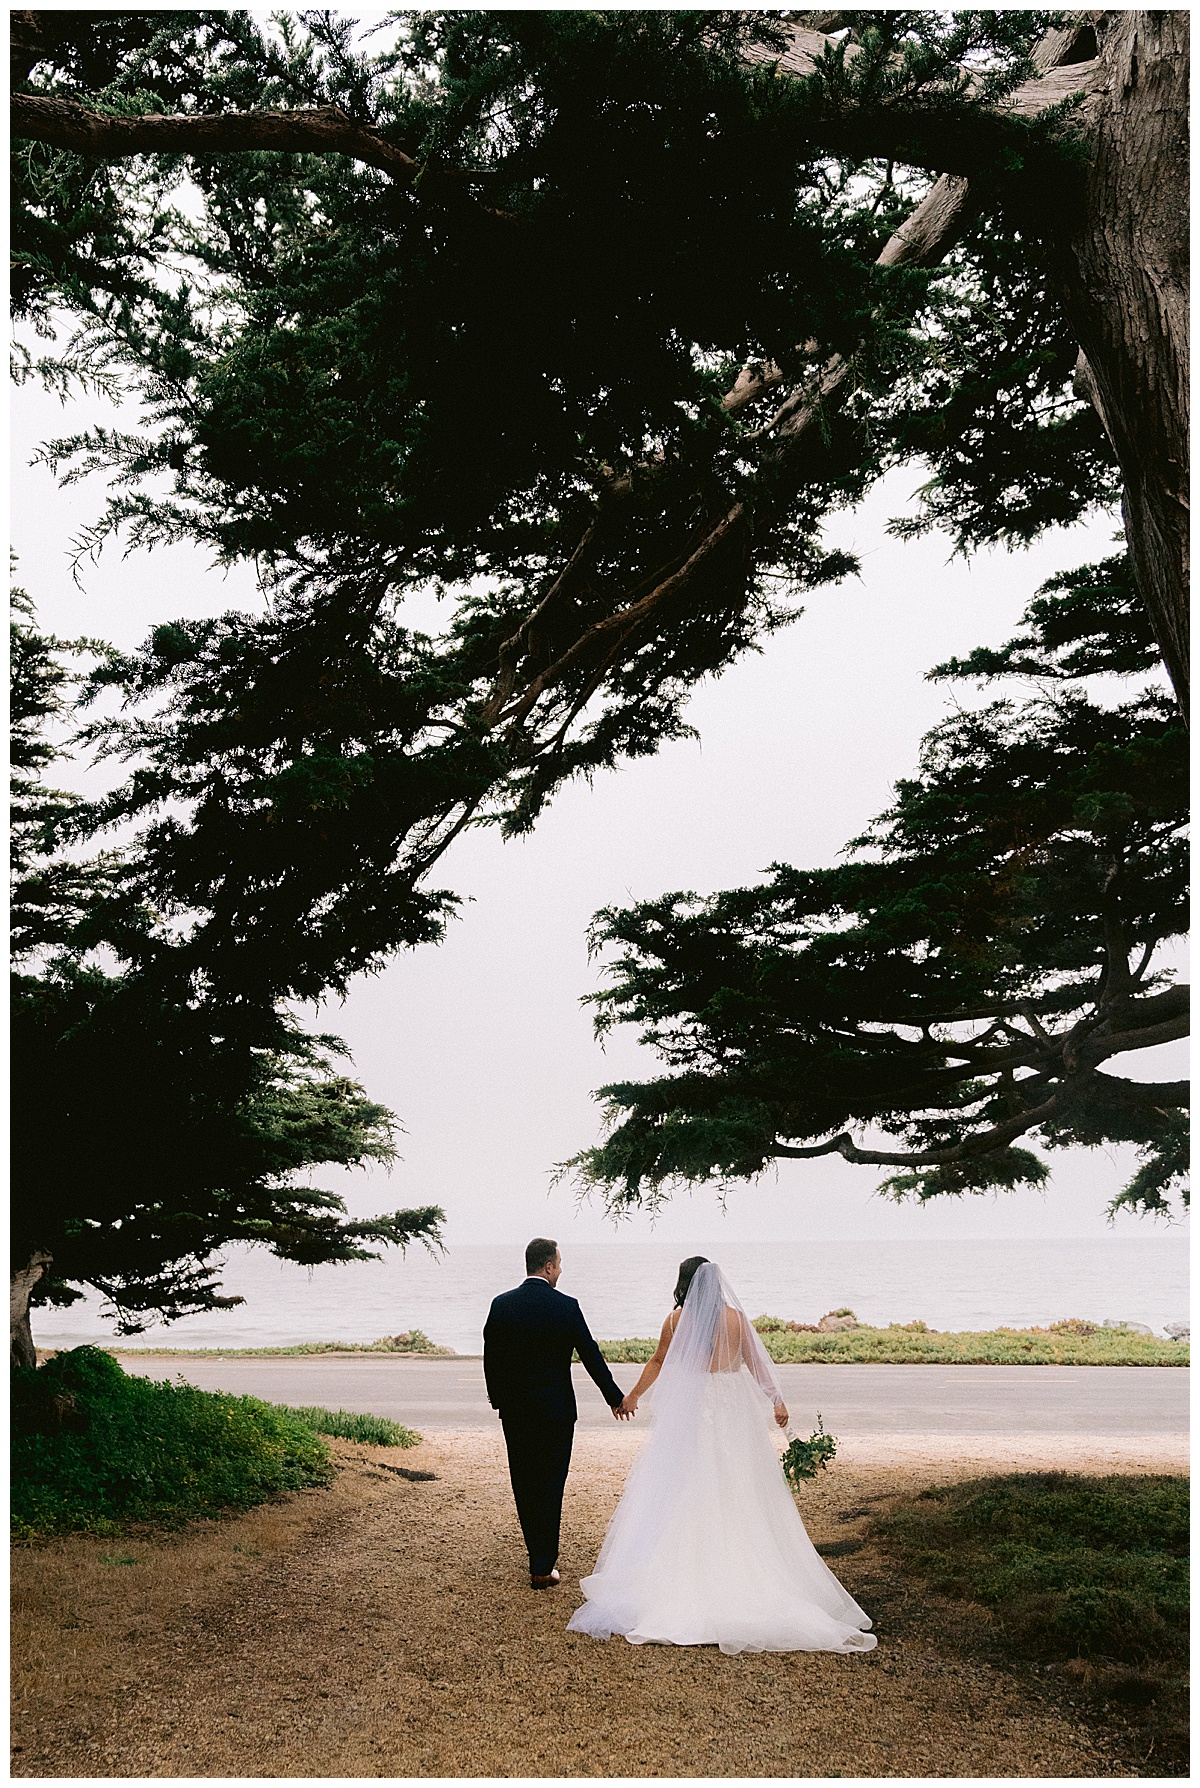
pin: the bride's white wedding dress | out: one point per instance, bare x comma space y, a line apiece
707, 1546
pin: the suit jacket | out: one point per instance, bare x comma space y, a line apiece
528, 1340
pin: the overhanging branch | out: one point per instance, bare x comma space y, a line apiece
924, 239
986, 1142
927, 133
1083, 1077
1146, 1095
316, 129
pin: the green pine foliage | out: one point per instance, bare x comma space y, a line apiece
95, 1450
470, 427
154, 1120
957, 982
501, 384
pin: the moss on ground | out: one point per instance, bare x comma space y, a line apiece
1083, 1578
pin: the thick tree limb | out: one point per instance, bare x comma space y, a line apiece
1149, 1095
924, 134
1080, 1052
1100, 1049
924, 239
984, 1142
1058, 79
316, 129
22, 1280
1146, 1011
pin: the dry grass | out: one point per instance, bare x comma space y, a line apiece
385, 1628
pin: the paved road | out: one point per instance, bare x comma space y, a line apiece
429, 1394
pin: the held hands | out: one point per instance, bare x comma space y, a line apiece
626, 1407
781, 1414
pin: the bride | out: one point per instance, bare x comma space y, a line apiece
707, 1546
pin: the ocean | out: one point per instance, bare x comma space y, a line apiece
625, 1289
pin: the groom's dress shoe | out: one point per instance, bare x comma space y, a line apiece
546, 1582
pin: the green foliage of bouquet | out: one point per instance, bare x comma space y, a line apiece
803, 1459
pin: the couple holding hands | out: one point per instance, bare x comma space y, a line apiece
706, 1546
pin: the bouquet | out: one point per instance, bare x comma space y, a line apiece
803, 1459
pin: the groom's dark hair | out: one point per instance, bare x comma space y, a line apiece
539, 1253
687, 1272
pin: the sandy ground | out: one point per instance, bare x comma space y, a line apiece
386, 1628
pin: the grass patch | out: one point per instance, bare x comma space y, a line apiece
347, 1424
914, 1345
94, 1449
414, 1341
1083, 1576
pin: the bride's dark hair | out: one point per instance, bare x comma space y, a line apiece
687, 1272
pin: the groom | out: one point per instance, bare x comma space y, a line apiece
528, 1340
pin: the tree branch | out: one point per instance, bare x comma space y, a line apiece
1080, 1057
984, 1143
924, 239
510, 651
315, 129
1171, 1030
1150, 1095
625, 620
927, 135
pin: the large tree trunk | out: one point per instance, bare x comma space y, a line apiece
20, 1290
1124, 275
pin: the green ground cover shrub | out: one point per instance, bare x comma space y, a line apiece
634, 1351
94, 1449
348, 1424
1086, 1576
414, 1341
912, 1344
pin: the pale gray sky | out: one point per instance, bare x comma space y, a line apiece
480, 1044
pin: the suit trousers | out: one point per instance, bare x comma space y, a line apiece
539, 1457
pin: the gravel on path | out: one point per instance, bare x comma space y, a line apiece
386, 1628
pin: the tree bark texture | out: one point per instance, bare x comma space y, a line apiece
1123, 277
20, 1290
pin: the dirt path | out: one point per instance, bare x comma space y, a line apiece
385, 1628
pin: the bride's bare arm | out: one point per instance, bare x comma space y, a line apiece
751, 1357
653, 1366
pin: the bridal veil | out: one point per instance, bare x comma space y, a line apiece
707, 1546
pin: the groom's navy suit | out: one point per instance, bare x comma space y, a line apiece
528, 1340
